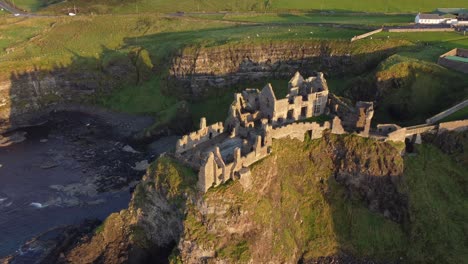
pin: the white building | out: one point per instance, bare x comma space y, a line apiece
431, 19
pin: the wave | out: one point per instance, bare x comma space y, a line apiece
37, 205
3, 199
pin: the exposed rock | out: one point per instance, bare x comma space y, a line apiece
47, 247
16, 137
129, 149
141, 165
223, 66
49, 165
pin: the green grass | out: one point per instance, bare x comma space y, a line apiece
141, 99
354, 19
165, 6
414, 89
28, 5
15, 31
437, 189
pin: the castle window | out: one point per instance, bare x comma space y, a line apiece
317, 109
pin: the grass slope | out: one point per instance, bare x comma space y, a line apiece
296, 210
437, 189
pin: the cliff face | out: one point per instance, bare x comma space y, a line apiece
147, 231
26, 96
198, 69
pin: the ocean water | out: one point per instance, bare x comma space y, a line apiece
30, 201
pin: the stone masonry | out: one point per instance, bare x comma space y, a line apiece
224, 152
306, 98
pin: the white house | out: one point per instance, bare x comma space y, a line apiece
431, 19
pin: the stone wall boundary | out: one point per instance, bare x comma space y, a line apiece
447, 112
365, 35
419, 29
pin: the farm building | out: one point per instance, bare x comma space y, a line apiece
431, 19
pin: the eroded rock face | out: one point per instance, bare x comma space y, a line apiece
26, 96
371, 173
200, 69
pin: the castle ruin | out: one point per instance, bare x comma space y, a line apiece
222, 152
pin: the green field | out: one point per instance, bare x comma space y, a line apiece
28, 5
288, 18
164, 6
93, 42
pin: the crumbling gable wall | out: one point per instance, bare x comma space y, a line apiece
267, 101
203, 134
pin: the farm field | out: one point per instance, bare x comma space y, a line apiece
162, 6
336, 18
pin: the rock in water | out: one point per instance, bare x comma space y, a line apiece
49, 165
128, 148
141, 166
16, 137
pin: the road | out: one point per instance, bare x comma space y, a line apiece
9, 8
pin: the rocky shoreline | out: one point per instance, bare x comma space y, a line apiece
75, 160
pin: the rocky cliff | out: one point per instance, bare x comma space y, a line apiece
200, 68
294, 209
26, 96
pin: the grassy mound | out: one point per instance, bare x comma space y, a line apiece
414, 90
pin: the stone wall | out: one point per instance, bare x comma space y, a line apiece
443, 29
298, 130
366, 34
419, 129
204, 134
447, 112
397, 135
458, 126
214, 171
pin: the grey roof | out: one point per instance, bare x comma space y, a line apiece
429, 16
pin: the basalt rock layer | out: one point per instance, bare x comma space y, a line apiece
199, 68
